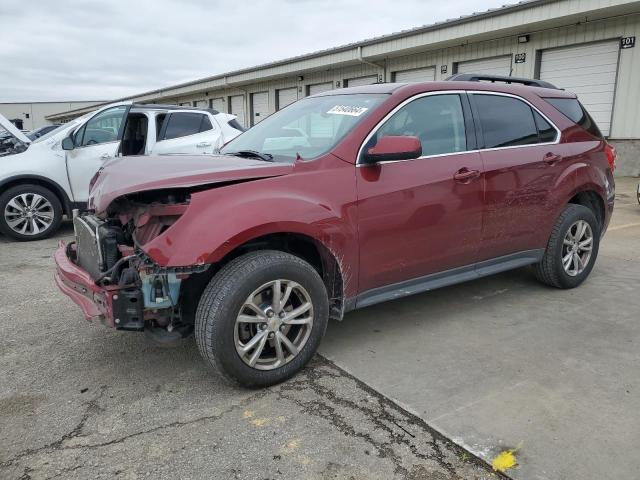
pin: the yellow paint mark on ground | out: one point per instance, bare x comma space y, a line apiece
291, 446
261, 422
248, 414
505, 460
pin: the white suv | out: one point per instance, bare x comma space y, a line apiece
41, 180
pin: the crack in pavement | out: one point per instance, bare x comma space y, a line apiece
76, 432
398, 427
310, 378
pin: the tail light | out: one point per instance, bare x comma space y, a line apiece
610, 152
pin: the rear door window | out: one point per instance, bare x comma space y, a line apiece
546, 132
181, 124
505, 121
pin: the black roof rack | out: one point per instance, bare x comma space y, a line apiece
478, 77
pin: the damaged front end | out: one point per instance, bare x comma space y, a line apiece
108, 274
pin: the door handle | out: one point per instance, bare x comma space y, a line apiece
105, 156
465, 175
203, 144
552, 158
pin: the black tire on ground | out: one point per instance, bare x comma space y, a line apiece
28, 189
223, 299
550, 270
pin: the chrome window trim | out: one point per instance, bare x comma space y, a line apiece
456, 92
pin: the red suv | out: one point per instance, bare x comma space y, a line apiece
340, 201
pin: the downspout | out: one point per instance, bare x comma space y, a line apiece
366, 62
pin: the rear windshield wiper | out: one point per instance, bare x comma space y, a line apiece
267, 157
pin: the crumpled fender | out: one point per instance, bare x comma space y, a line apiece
221, 219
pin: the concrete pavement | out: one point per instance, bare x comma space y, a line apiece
506, 363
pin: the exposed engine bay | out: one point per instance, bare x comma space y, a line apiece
10, 145
144, 294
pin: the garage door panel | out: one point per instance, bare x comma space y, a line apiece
237, 108
218, 104
578, 51
286, 96
587, 70
600, 70
415, 75
582, 80
487, 66
259, 107
595, 98
360, 81
601, 59
320, 87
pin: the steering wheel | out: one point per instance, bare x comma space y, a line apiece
92, 142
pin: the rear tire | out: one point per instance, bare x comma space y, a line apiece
238, 308
41, 207
559, 267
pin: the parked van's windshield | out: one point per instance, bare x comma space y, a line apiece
307, 128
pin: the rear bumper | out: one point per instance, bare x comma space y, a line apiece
95, 301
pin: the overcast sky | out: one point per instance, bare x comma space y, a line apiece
106, 49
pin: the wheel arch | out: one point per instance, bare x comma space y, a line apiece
45, 182
591, 199
302, 245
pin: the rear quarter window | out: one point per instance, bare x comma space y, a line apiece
182, 124
574, 111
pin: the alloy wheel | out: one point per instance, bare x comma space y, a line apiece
274, 324
29, 214
576, 248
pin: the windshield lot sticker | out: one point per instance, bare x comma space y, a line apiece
346, 110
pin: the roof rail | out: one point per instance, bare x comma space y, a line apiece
160, 106
479, 77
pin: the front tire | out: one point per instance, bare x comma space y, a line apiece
29, 212
572, 249
261, 318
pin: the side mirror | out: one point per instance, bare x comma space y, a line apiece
393, 148
67, 143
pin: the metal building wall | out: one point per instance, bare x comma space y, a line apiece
549, 24
37, 111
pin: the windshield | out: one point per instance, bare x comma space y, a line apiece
307, 128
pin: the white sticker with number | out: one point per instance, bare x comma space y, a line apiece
347, 110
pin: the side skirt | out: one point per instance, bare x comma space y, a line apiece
446, 278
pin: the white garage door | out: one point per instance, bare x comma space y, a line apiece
259, 107
488, 66
360, 81
320, 87
218, 104
286, 96
237, 108
590, 72
415, 75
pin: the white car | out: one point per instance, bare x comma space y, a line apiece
43, 179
